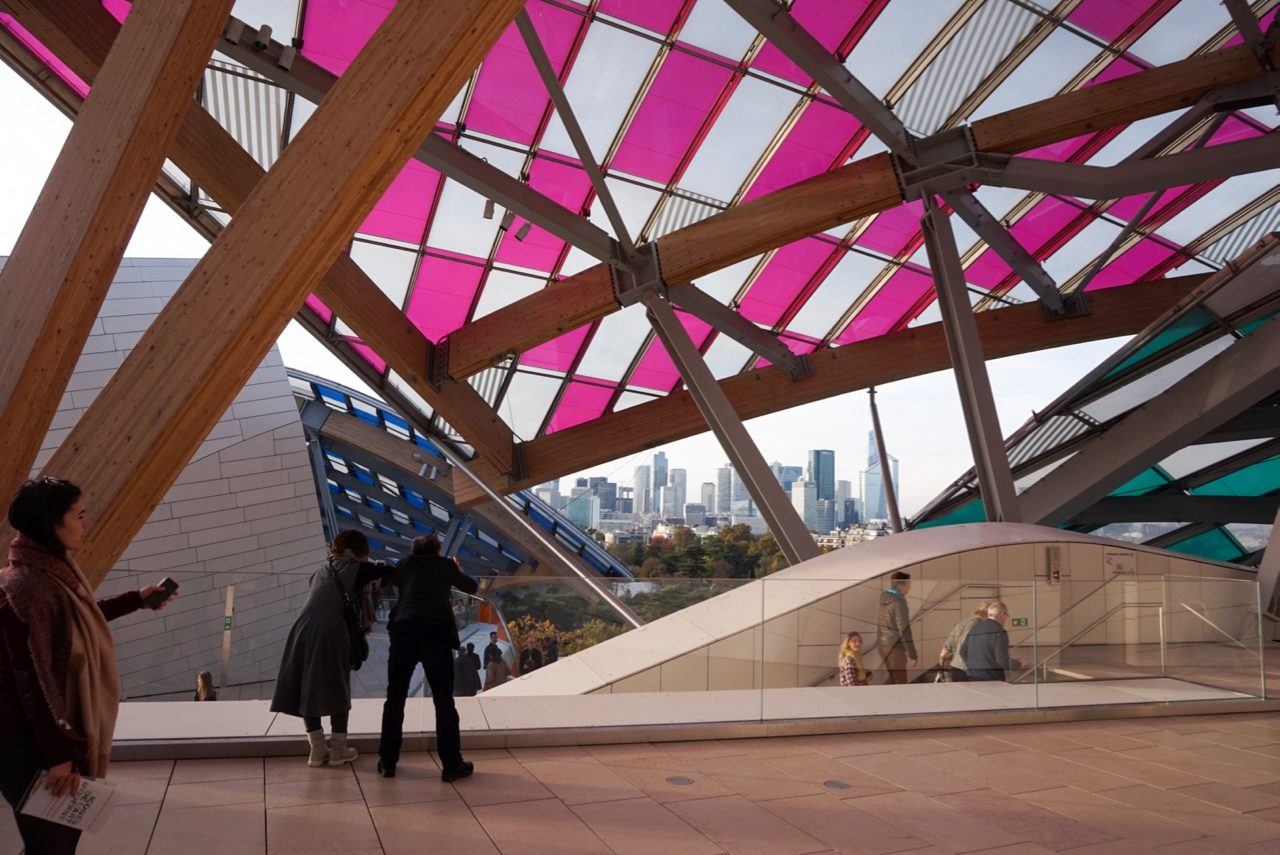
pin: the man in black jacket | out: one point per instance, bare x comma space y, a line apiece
985, 650
424, 632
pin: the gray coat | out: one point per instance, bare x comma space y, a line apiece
315, 670
894, 624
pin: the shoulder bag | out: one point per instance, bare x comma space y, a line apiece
359, 645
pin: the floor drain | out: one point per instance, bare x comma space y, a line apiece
684, 782
836, 785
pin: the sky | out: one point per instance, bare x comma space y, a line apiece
921, 416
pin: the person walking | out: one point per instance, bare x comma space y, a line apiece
949, 657
425, 633
986, 648
59, 690
893, 636
315, 668
852, 670
496, 670
204, 687
466, 674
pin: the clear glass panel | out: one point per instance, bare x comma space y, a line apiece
752, 118
726, 357
1180, 31
615, 345
1041, 75
281, 15
1081, 250
390, 269
526, 402
503, 287
1217, 205
894, 41
717, 28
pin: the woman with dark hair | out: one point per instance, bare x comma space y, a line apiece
59, 691
425, 632
315, 669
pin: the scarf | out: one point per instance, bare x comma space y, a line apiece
70, 645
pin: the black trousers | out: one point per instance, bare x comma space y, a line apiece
22, 759
986, 675
958, 675
417, 641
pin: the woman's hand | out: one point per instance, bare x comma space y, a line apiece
63, 779
152, 589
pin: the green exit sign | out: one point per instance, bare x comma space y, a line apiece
226, 623
1018, 621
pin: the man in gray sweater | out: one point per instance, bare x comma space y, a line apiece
893, 635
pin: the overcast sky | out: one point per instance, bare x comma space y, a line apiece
921, 416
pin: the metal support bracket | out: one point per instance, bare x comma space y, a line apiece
519, 467
632, 281
707, 308
438, 364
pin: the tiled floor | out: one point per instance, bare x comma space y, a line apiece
1192, 784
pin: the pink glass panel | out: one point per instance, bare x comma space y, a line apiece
796, 343
1060, 151
656, 370
401, 213
559, 353
655, 15
1108, 18
1042, 222
829, 21
442, 292
782, 280
510, 98
46, 56
811, 148
1120, 67
370, 357
673, 110
335, 30
887, 308
118, 8
1133, 266
313, 303
580, 403
565, 184
893, 229
987, 271
1233, 130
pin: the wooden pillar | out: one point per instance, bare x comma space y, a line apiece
62, 265
144, 426
81, 33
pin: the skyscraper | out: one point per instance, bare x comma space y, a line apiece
709, 496
724, 489
790, 475
659, 470
643, 484
822, 471
804, 496
678, 481
875, 501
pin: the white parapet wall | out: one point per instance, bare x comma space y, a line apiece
784, 631
242, 513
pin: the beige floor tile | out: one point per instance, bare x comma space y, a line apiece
818, 770
779, 747
703, 748
990, 770
127, 830
1264, 767
499, 782
1066, 772
947, 829
476, 754
281, 770
744, 828
550, 752
1169, 739
341, 786
907, 743
1031, 737
754, 779
417, 780
1026, 820
1139, 827
910, 774
138, 770
652, 780
1234, 739
842, 826
341, 827
642, 826
1266, 750
629, 751
220, 830
1214, 768
974, 742
1242, 799
1021, 849
228, 769
1104, 739
243, 791
840, 744
1211, 819
538, 828
442, 826
138, 791
1128, 766
575, 782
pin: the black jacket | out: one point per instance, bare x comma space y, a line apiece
894, 624
424, 586
985, 651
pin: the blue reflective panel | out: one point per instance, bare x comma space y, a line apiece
423, 442
510, 555
364, 476
423, 527
344, 512
967, 513
390, 531
541, 519
394, 421
333, 395
415, 499
599, 564
377, 506
376, 544
334, 488
1217, 544
470, 552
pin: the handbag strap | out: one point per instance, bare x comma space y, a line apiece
342, 589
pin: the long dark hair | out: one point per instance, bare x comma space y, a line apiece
39, 506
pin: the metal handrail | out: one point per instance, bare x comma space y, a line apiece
1037, 630
1094, 625
1222, 631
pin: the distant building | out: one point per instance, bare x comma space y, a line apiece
709, 496
852, 515
804, 496
875, 501
694, 514
825, 516
642, 483
678, 480
822, 472
755, 523
724, 489
790, 475
583, 510
659, 470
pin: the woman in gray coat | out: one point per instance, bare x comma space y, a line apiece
315, 669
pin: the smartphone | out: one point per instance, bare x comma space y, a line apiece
156, 598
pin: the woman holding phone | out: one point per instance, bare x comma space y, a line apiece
59, 691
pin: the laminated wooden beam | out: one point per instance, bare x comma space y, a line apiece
81, 32
840, 196
144, 426
61, 268
873, 362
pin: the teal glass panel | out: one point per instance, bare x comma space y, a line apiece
1260, 479
1150, 481
1188, 325
1217, 544
969, 513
